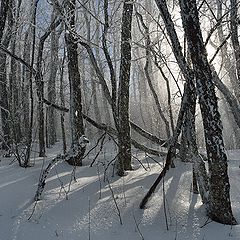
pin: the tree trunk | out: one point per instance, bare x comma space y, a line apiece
40, 87
63, 104
51, 115
75, 88
5, 114
105, 104
219, 205
14, 86
32, 31
4, 96
235, 42
14, 95
92, 76
231, 70
3, 15
124, 138
26, 84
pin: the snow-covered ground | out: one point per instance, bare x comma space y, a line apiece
86, 209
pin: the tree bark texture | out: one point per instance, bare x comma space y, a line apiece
219, 205
3, 15
75, 87
229, 67
124, 138
26, 84
51, 114
234, 18
40, 87
4, 96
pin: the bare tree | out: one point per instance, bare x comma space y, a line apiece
124, 137
14, 86
4, 99
75, 89
3, 15
54, 62
219, 205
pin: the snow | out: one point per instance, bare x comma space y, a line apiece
63, 213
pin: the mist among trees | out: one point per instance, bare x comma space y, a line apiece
155, 77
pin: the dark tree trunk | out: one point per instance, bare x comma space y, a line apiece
215, 149
219, 205
26, 84
231, 70
5, 114
92, 77
51, 115
124, 138
40, 87
14, 86
234, 18
32, 31
4, 96
3, 15
75, 89
105, 104
63, 104
14, 96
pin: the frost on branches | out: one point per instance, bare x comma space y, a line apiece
75, 152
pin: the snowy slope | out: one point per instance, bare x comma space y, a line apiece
81, 210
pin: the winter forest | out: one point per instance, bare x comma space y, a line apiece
119, 119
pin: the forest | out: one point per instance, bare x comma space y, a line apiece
119, 119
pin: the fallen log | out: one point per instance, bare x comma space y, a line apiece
159, 178
114, 132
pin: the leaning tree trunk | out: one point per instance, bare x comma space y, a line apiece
105, 104
230, 69
92, 77
200, 178
147, 70
219, 205
124, 138
75, 89
215, 151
